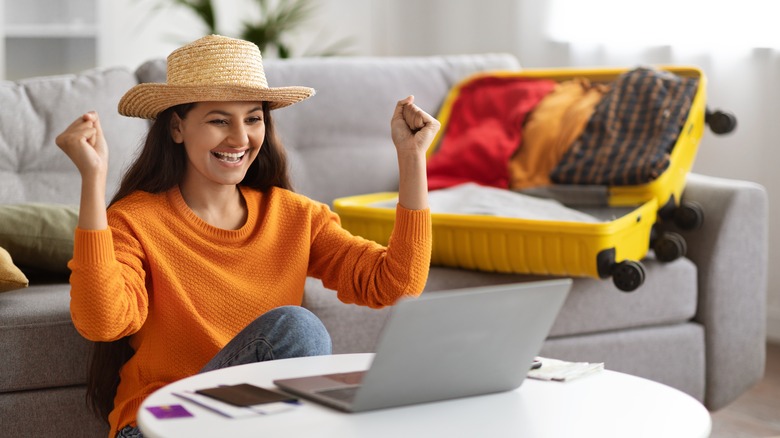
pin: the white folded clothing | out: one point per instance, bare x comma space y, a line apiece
474, 199
562, 371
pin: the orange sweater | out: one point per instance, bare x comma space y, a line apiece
182, 288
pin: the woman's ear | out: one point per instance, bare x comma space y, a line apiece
175, 127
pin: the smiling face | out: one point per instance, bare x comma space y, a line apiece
221, 140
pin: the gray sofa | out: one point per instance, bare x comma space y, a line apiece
696, 324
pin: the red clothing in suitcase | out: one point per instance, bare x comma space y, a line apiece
484, 130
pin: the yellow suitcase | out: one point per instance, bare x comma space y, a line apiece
612, 248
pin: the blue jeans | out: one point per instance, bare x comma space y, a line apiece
281, 333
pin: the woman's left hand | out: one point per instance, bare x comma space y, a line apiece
412, 129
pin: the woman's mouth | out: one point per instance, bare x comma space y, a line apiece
229, 157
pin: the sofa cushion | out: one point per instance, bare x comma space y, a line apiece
40, 347
644, 351
668, 296
338, 145
39, 236
36, 110
11, 277
49, 412
352, 328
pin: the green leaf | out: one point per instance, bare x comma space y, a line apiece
203, 9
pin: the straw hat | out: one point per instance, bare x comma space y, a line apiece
213, 68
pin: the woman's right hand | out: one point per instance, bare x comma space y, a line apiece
83, 142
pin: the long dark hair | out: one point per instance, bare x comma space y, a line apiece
160, 166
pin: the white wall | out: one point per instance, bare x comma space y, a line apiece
425, 27
133, 31
137, 30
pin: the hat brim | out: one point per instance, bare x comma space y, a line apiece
147, 100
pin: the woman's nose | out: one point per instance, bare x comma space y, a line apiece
238, 136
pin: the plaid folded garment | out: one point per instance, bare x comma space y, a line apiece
629, 137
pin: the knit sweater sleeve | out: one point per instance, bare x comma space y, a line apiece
366, 273
108, 293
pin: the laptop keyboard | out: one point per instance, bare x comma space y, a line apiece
341, 394
352, 378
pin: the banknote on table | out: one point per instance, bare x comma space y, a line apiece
562, 371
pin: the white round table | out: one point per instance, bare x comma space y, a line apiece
605, 404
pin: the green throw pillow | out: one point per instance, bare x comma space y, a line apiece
39, 236
11, 277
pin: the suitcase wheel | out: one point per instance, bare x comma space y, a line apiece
689, 215
720, 122
669, 247
628, 275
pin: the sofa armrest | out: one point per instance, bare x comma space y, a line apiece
731, 253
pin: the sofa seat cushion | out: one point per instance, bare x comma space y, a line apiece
668, 296
643, 352
40, 347
49, 412
352, 328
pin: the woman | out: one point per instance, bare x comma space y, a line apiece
200, 260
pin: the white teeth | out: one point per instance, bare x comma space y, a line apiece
229, 156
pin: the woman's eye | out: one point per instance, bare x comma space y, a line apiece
253, 120
219, 122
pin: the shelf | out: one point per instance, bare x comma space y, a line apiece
30, 57
51, 31
48, 37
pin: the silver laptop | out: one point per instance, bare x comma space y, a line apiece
446, 345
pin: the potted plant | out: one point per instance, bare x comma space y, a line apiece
278, 20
